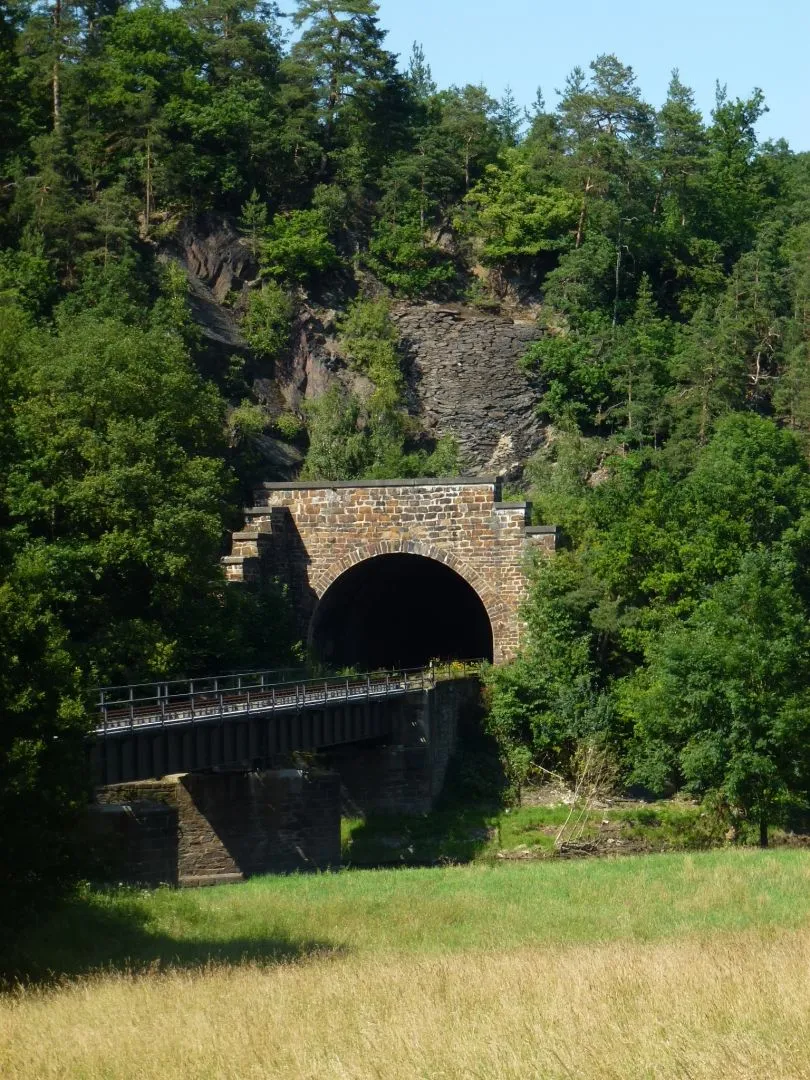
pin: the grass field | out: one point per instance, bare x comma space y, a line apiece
687, 966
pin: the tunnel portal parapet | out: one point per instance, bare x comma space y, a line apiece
309, 535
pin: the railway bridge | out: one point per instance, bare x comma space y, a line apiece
203, 781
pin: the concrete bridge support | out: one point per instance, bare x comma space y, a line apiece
405, 775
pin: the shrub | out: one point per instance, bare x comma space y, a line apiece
296, 245
268, 320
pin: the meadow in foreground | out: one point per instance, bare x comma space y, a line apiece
665, 966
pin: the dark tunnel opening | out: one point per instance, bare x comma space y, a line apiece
400, 611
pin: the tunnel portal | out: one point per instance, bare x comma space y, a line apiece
309, 536
400, 611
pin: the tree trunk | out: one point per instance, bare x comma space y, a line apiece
56, 81
583, 213
763, 830
617, 278
148, 193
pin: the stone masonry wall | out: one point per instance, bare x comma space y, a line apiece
134, 843
231, 825
308, 535
406, 775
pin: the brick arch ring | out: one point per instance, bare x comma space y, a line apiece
494, 607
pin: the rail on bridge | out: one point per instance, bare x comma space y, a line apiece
155, 729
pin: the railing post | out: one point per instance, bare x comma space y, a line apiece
274, 699
103, 703
347, 687
368, 687
248, 703
386, 684
191, 698
221, 706
325, 690
162, 698
132, 706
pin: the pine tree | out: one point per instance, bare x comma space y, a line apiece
420, 77
604, 120
509, 118
342, 47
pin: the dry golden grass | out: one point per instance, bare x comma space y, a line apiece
736, 1005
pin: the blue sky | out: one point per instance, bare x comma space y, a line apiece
526, 43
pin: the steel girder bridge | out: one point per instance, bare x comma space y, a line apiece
246, 720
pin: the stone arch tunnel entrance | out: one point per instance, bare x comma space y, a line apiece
400, 610
468, 548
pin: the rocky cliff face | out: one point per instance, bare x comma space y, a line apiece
461, 364
465, 380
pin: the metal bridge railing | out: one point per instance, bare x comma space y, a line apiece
123, 709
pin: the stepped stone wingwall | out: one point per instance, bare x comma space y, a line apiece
307, 535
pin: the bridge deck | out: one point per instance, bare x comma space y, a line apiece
147, 707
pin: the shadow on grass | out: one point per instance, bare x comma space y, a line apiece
114, 933
456, 831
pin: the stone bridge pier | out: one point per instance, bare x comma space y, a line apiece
395, 572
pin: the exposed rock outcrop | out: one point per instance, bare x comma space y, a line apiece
218, 265
461, 364
212, 252
465, 380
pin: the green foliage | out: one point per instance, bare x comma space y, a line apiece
674, 627
253, 223
289, 426
296, 245
117, 488
246, 421
42, 729
370, 339
724, 703
337, 445
267, 323
353, 437
551, 697
668, 257
340, 52
404, 258
26, 278
516, 214
113, 491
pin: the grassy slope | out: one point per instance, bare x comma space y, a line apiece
683, 965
